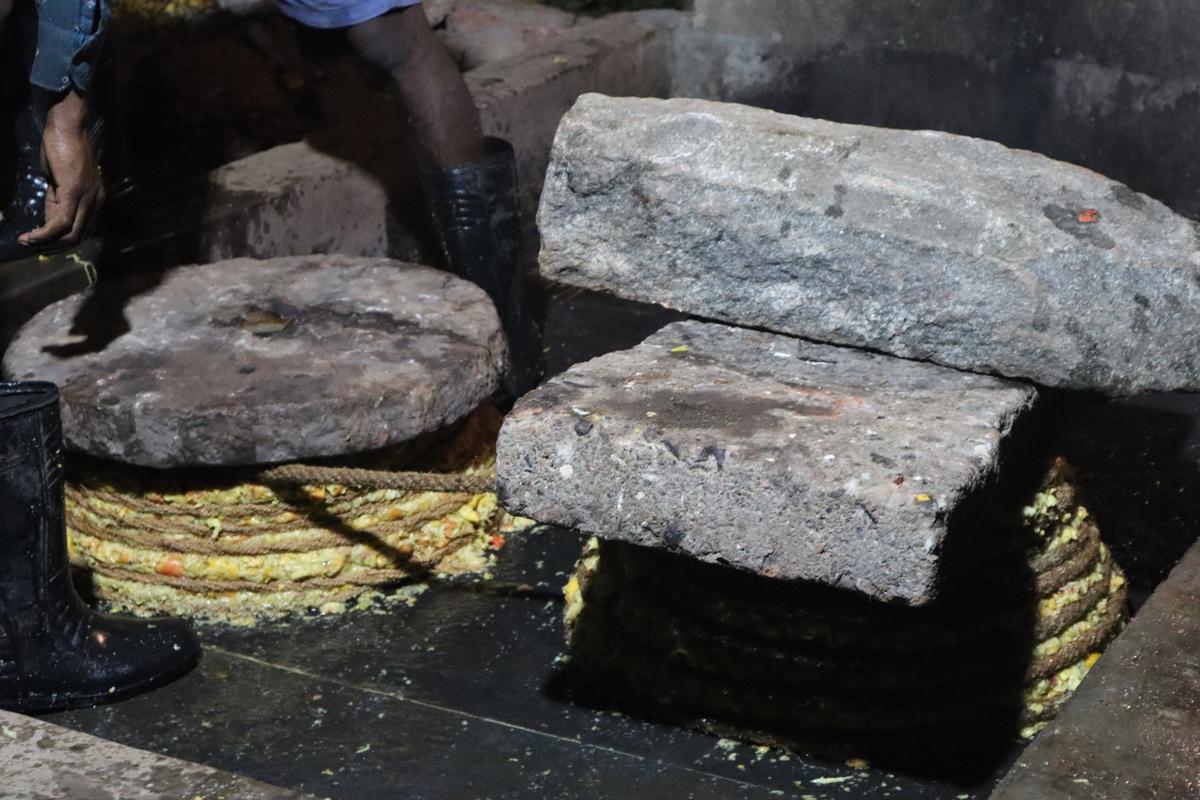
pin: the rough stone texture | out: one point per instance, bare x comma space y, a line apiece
920, 244
767, 453
523, 99
343, 192
295, 199
1132, 731
40, 761
253, 362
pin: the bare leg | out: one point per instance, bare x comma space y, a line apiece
439, 107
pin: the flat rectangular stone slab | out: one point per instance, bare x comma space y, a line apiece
763, 452
921, 244
40, 761
1132, 730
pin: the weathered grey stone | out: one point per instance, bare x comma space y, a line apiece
295, 199
763, 452
253, 362
1132, 731
41, 761
921, 244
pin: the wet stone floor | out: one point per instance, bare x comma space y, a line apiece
461, 695
458, 696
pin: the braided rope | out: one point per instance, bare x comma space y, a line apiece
144, 534
1091, 641
1070, 614
192, 535
380, 577
309, 475
362, 578
1079, 564
166, 526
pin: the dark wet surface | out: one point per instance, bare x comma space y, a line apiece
461, 695
457, 696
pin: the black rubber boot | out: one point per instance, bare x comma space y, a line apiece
478, 219
26, 207
55, 653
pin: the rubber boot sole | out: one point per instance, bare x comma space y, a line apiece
64, 701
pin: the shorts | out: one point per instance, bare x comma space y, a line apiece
338, 13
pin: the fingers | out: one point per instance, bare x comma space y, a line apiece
69, 216
76, 186
61, 211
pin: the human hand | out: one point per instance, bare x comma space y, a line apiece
76, 189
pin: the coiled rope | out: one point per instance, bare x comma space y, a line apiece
374, 479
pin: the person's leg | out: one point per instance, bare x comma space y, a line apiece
439, 106
5, 10
470, 183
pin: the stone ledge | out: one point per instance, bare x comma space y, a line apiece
40, 761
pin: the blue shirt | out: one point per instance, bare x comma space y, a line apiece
338, 13
70, 35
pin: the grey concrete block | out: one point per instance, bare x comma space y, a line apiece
41, 761
254, 362
1132, 731
763, 452
920, 244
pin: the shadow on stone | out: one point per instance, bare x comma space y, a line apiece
101, 318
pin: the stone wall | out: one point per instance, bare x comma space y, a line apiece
1110, 84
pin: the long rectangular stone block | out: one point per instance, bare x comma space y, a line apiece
924, 245
765, 453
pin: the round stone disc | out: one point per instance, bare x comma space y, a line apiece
254, 362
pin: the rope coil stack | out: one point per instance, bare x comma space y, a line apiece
237, 547
831, 672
